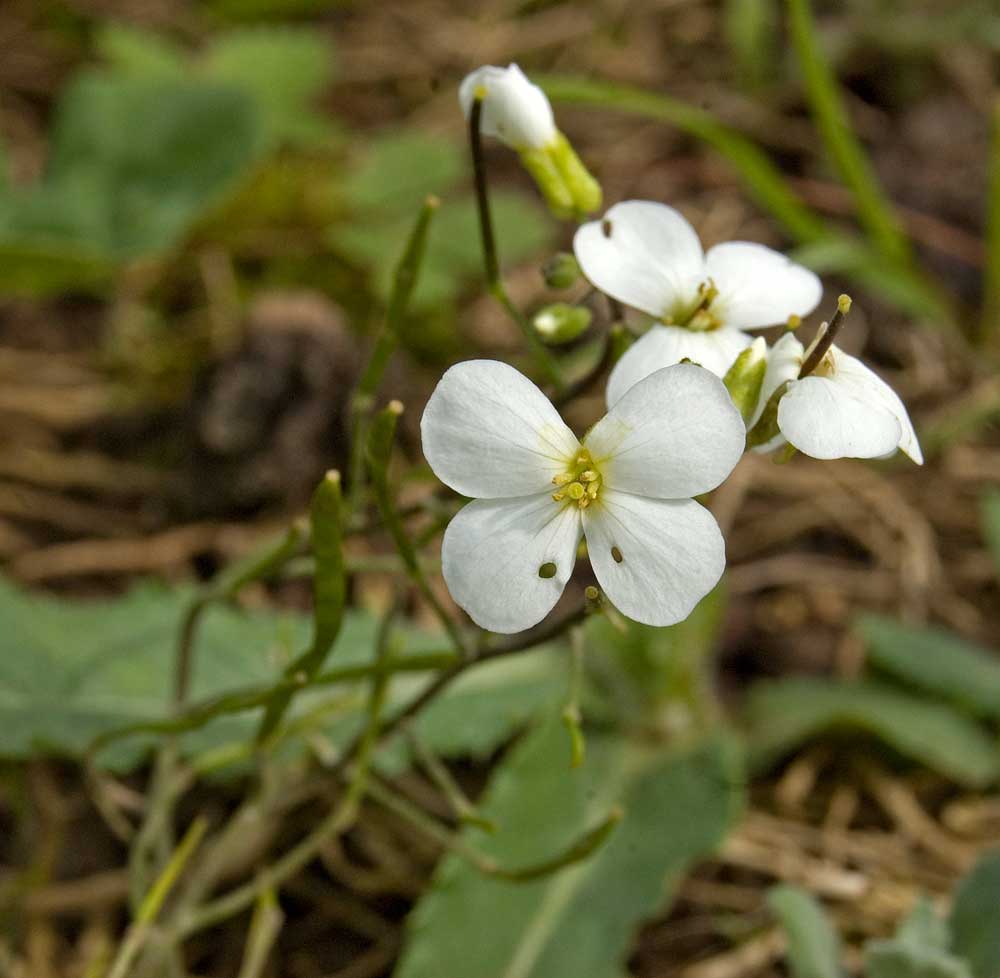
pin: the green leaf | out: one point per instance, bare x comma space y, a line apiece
50, 266
849, 157
991, 524
147, 156
935, 661
784, 714
975, 917
813, 946
919, 949
72, 671
399, 169
285, 70
580, 920
140, 52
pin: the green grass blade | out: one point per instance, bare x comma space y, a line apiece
847, 154
764, 181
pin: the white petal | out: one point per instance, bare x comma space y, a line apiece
514, 110
852, 372
672, 436
827, 418
643, 254
492, 553
758, 286
784, 360
663, 346
672, 554
488, 431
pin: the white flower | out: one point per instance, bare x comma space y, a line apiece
514, 110
489, 433
842, 409
647, 255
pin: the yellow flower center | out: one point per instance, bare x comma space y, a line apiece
580, 483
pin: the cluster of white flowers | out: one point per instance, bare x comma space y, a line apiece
672, 430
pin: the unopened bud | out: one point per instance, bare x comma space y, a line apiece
561, 271
561, 322
744, 378
565, 183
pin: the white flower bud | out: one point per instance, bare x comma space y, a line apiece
514, 110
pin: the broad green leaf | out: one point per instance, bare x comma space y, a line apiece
784, 714
935, 661
70, 671
400, 168
813, 946
918, 950
140, 52
975, 918
580, 920
991, 524
285, 70
148, 156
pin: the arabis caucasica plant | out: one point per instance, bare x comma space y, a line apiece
838, 408
648, 256
518, 113
488, 432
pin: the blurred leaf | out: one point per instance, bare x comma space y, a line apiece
849, 157
919, 949
49, 267
752, 29
285, 70
578, 921
140, 52
147, 157
453, 257
991, 524
784, 714
400, 169
935, 661
975, 917
813, 946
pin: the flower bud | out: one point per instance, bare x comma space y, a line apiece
514, 110
561, 322
744, 378
518, 113
561, 271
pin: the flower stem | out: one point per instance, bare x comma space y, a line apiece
491, 263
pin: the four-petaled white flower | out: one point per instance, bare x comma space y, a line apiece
490, 433
842, 409
515, 110
648, 256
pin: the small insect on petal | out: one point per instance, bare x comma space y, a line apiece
547, 570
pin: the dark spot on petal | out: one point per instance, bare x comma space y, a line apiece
547, 570
606, 227
617, 555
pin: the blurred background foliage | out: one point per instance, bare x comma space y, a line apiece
201, 208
